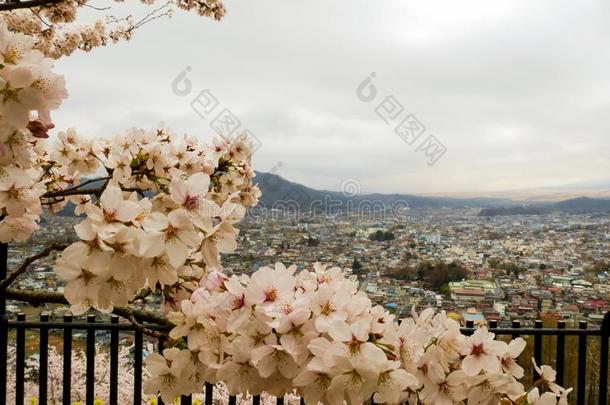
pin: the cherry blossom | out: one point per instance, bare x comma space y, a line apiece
481, 352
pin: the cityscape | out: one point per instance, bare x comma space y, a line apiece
479, 268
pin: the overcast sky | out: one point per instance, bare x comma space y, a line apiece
517, 91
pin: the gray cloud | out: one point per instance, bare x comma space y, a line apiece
518, 91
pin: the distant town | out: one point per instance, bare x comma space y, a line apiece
551, 266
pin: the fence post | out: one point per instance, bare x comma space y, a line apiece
582, 364
90, 363
537, 348
603, 361
43, 358
3, 326
67, 383
561, 351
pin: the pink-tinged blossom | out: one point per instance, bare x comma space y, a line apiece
113, 211
270, 286
173, 235
170, 373
481, 351
440, 388
511, 354
548, 375
190, 193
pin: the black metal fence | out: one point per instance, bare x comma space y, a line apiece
559, 335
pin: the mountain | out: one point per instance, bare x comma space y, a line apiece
583, 204
518, 210
278, 192
578, 205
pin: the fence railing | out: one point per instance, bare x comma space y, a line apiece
67, 325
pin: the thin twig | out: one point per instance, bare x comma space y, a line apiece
50, 194
40, 18
83, 3
27, 262
151, 16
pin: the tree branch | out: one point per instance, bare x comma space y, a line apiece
65, 193
51, 297
147, 331
76, 190
27, 262
14, 5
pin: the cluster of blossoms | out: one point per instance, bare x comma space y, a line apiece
315, 333
28, 91
56, 33
159, 213
165, 213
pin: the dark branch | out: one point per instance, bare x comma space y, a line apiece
14, 5
65, 193
26, 263
76, 190
147, 331
47, 297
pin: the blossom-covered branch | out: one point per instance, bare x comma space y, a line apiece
315, 332
52, 23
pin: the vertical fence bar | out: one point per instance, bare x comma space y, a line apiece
561, 352
160, 346
90, 363
516, 325
137, 368
3, 326
67, 388
493, 324
280, 401
44, 361
582, 364
603, 361
232, 400
302, 401
186, 399
20, 366
256, 400
470, 325
209, 394
537, 349
114, 362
